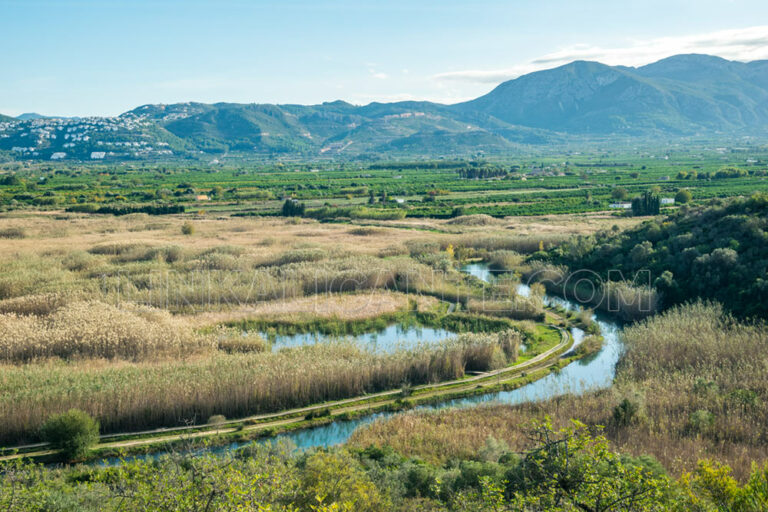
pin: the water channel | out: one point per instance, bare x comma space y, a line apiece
594, 372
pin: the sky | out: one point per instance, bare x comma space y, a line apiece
104, 57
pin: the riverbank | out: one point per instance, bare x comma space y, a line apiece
261, 426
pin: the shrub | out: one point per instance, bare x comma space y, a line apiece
72, 432
683, 196
318, 413
625, 413
701, 421
13, 233
216, 419
187, 228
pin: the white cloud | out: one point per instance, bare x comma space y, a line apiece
380, 76
745, 44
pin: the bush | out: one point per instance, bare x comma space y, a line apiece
625, 413
701, 421
683, 196
216, 419
13, 233
72, 432
187, 228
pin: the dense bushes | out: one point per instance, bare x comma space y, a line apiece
126, 210
717, 252
72, 432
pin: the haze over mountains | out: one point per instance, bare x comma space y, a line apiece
681, 96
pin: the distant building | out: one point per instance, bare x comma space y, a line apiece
202, 197
667, 200
621, 206
58, 155
98, 155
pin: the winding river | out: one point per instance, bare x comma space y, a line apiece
593, 372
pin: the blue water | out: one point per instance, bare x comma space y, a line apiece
390, 339
588, 374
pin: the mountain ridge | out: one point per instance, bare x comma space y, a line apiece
679, 96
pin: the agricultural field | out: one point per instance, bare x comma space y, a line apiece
574, 182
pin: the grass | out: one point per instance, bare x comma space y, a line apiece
126, 397
97, 330
123, 319
693, 375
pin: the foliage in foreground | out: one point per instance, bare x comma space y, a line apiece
561, 470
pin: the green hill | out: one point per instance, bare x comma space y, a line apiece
717, 252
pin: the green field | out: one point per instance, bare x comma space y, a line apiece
568, 183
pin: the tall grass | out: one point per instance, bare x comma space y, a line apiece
521, 244
91, 329
137, 396
627, 300
694, 379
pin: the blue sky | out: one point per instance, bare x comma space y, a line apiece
87, 57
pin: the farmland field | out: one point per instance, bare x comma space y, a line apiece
570, 183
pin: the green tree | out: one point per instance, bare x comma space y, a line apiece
293, 208
72, 432
570, 469
647, 204
619, 193
683, 196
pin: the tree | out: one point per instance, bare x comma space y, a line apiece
572, 470
647, 204
683, 196
72, 432
458, 211
619, 193
293, 208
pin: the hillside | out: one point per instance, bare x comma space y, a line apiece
716, 252
681, 96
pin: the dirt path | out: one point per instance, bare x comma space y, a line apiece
286, 417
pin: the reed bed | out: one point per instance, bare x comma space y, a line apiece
629, 301
96, 330
135, 396
516, 307
504, 260
478, 219
527, 244
694, 377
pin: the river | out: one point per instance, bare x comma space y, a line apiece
591, 373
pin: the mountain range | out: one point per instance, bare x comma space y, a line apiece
680, 96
